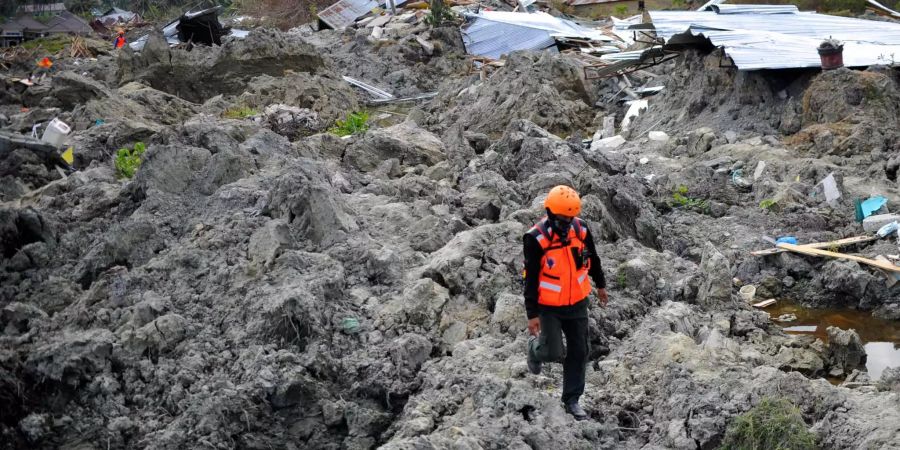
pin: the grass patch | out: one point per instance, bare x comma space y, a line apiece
621, 278
51, 44
239, 112
768, 204
357, 122
680, 199
128, 160
772, 424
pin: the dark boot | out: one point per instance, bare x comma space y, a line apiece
534, 366
576, 411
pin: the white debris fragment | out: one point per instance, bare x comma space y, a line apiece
659, 136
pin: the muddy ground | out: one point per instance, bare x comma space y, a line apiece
261, 283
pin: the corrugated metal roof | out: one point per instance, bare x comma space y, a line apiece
591, 2
753, 9
345, 12
785, 40
496, 33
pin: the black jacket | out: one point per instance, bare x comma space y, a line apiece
533, 254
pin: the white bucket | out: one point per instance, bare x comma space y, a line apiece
748, 292
55, 133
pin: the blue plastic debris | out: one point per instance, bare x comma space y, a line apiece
786, 240
870, 205
888, 229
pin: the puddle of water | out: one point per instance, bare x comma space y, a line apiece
881, 338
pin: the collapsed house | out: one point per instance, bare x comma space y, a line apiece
492, 34
197, 27
776, 36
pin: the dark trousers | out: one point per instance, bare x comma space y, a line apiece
549, 348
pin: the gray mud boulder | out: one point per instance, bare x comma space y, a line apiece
420, 304
715, 273
206, 72
548, 90
72, 357
405, 142
845, 351
890, 380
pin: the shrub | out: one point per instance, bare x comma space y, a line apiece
772, 424
621, 10
356, 122
438, 14
128, 160
680, 199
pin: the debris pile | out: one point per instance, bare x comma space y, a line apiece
313, 238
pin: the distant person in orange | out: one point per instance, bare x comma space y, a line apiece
120, 39
43, 68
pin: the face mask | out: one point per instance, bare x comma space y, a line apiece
562, 225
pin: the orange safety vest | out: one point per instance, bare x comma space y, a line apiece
563, 280
120, 41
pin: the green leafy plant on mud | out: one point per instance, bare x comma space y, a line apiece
128, 160
772, 424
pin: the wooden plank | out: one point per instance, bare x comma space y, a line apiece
817, 252
890, 279
837, 243
764, 303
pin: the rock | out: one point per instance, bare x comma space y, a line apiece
872, 223
509, 313
18, 317
73, 358
420, 304
700, 141
801, 360
406, 142
889, 380
845, 350
410, 351
637, 274
715, 287
267, 242
610, 143
454, 334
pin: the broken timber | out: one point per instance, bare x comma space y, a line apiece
817, 252
764, 303
837, 243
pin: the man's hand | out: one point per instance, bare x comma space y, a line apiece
534, 326
602, 296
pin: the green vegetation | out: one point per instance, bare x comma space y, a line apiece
678, 3
680, 199
621, 10
239, 112
51, 44
768, 204
439, 14
621, 278
128, 160
772, 424
356, 122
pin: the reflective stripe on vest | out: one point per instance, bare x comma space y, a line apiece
550, 286
561, 283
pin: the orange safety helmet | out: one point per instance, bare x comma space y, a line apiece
563, 200
45, 63
120, 31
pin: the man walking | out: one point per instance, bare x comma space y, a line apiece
559, 257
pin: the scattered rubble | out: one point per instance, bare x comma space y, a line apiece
268, 280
